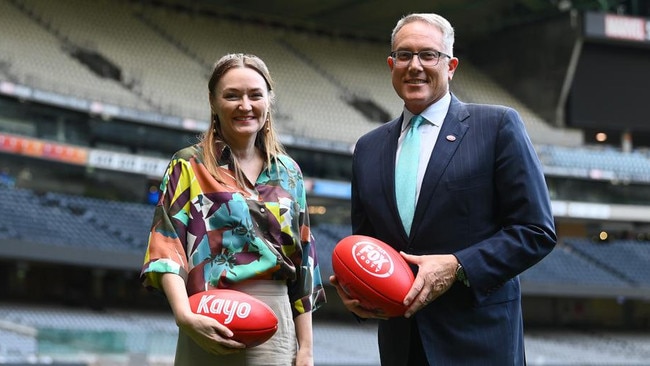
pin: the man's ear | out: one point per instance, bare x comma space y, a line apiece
452, 64
390, 62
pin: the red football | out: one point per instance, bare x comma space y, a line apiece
372, 272
251, 320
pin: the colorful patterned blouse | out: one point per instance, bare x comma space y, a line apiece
215, 234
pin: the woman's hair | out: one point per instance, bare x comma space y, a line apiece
432, 19
213, 141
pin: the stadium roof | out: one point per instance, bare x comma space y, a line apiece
374, 19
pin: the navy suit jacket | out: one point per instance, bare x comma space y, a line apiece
483, 199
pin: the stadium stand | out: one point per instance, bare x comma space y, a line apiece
626, 258
630, 166
563, 267
293, 74
354, 346
71, 331
34, 65
569, 347
474, 86
75, 221
176, 85
16, 347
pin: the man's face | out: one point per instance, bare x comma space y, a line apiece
420, 86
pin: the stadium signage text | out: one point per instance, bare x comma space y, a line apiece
633, 29
617, 27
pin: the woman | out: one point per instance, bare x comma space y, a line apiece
233, 214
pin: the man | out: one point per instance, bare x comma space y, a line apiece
482, 215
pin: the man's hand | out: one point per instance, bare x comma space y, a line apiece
436, 274
354, 305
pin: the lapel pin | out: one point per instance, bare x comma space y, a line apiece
451, 138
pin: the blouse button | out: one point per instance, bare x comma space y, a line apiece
262, 209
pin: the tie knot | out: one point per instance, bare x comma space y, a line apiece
416, 121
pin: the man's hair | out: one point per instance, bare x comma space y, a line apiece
434, 20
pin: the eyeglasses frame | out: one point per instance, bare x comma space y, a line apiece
439, 54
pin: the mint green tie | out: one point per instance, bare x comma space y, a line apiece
406, 173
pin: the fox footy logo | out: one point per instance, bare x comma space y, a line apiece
373, 259
211, 304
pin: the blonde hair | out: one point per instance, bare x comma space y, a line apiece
212, 141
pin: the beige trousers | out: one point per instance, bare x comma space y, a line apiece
280, 350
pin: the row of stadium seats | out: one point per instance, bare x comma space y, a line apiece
625, 259
55, 219
562, 266
60, 331
165, 57
310, 84
15, 347
60, 219
632, 166
65, 333
34, 56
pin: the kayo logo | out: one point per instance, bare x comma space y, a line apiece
211, 304
373, 259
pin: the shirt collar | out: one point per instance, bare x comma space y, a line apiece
224, 157
434, 114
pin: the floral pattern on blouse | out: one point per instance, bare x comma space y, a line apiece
214, 234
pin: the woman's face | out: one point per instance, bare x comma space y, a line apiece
241, 102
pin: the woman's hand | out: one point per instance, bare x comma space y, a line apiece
304, 357
208, 333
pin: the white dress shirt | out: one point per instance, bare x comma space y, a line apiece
435, 115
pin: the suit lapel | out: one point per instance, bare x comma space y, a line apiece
388, 154
452, 133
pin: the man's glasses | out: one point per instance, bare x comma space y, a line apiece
427, 58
